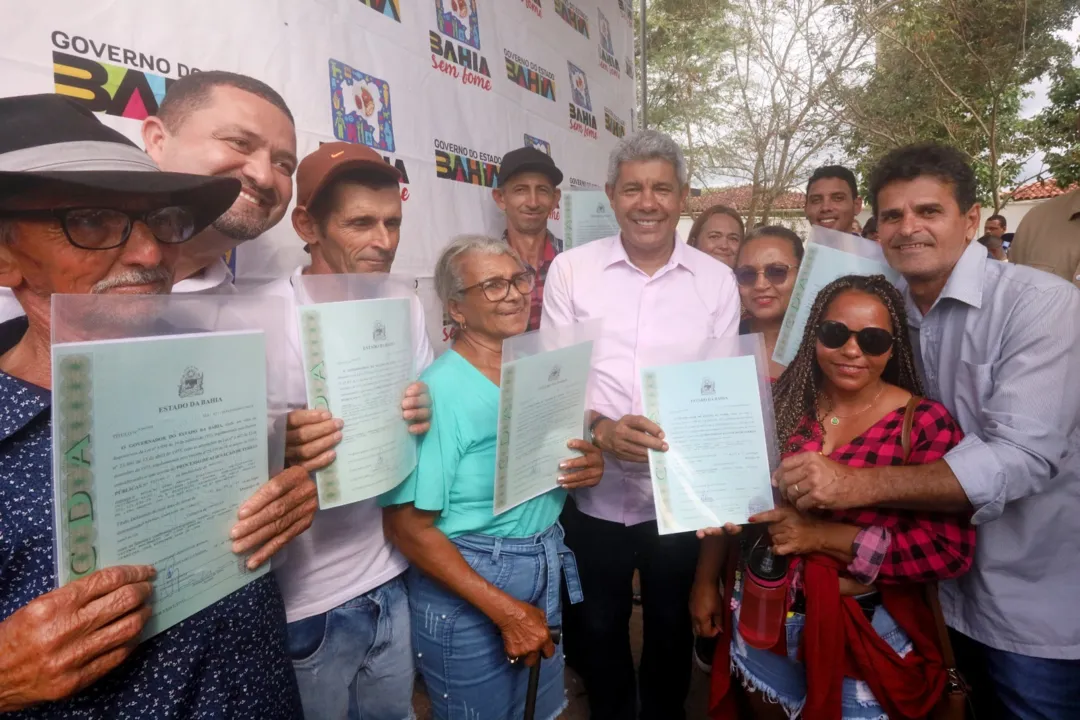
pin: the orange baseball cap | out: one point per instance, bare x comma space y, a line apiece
318, 168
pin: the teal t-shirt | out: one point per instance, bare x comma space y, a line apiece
455, 465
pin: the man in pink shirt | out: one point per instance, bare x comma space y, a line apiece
658, 299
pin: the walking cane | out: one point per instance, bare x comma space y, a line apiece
534, 678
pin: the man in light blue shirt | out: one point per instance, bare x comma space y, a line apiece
999, 345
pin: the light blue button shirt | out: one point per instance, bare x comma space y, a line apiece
1000, 348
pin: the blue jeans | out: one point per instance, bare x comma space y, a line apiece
1021, 687
460, 651
355, 661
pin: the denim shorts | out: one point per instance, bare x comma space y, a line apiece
783, 680
459, 650
355, 662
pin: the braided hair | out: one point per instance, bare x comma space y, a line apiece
797, 389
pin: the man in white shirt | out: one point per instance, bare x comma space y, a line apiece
345, 602
656, 297
225, 125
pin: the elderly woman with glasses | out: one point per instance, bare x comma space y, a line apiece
483, 589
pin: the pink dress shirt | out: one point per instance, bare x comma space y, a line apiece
646, 321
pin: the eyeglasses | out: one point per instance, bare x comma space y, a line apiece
775, 273
872, 341
105, 228
496, 289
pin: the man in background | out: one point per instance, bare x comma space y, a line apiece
832, 198
527, 192
1048, 238
225, 125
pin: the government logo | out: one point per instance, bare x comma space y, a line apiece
456, 51
614, 124
527, 74
573, 16
537, 144
535, 6
389, 8
130, 84
360, 104
582, 119
191, 382
462, 164
608, 62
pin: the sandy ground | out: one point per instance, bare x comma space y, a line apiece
579, 707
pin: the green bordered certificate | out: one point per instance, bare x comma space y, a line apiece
716, 470
156, 444
541, 408
358, 361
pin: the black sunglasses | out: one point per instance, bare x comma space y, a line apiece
105, 228
775, 273
871, 340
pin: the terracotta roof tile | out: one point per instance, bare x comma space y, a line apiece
1041, 190
739, 198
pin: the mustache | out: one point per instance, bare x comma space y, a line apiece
140, 276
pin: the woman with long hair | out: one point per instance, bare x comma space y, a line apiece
852, 635
718, 231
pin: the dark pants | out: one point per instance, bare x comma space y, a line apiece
598, 631
1010, 686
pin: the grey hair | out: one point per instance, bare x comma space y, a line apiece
647, 145
448, 282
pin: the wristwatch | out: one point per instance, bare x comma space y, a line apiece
592, 428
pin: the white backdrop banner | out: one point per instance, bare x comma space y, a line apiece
441, 88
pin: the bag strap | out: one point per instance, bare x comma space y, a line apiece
931, 588
909, 419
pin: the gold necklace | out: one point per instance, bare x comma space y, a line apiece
836, 418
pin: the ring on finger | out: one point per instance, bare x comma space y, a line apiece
511, 660
795, 487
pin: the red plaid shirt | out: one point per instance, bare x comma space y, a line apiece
552, 247
898, 546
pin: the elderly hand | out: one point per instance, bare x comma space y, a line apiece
727, 529
525, 633
792, 533
416, 408
584, 471
310, 437
277, 512
64, 640
813, 482
630, 437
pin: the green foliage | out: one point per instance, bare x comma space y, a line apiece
1057, 128
687, 42
953, 71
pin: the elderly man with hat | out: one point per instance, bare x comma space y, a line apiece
83, 210
528, 190
345, 599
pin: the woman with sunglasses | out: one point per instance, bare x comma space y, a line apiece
765, 271
483, 589
858, 640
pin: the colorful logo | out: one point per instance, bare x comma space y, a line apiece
110, 89
579, 87
614, 124
389, 8
608, 61
535, 6
131, 84
458, 19
360, 104
537, 144
573, 17
462, 164
529, 75
605, 34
